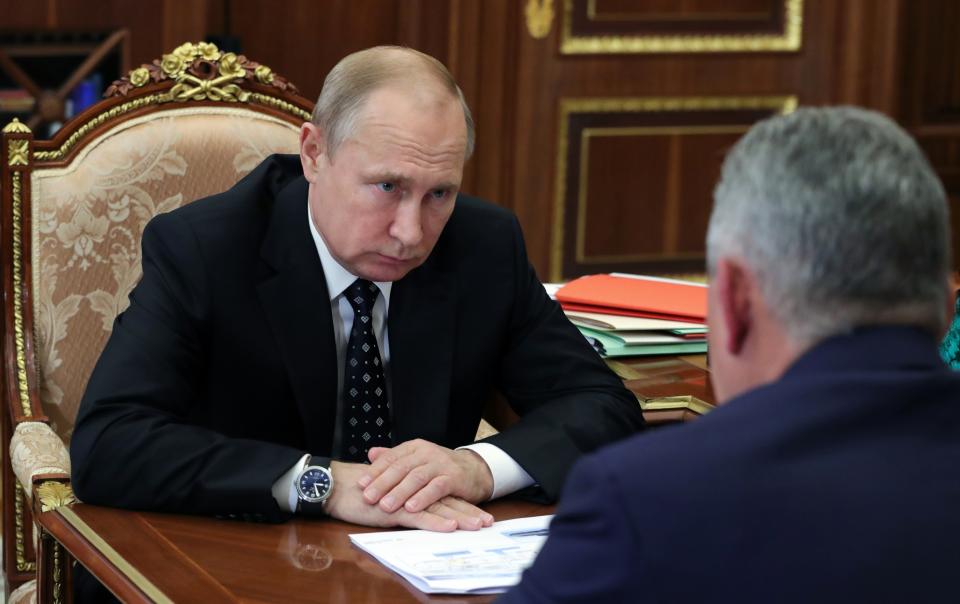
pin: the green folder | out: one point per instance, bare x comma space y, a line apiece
610, 346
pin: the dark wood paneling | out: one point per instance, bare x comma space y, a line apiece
620, 175
483, 37
146, 19
639, 17
930, 94
679, 9
307, 40
900, 57
639, 175
310, 37
701, 157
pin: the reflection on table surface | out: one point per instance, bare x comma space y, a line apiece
195, 559
161, 557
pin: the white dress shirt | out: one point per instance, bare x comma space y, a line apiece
507, 474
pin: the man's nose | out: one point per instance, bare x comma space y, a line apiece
407, 227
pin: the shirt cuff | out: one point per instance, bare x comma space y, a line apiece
285, 489
508, 476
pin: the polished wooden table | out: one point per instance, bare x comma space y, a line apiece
145, 557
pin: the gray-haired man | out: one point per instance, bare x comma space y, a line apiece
830, 473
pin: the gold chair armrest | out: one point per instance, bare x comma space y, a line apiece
36, 450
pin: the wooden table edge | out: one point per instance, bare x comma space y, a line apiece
98, 557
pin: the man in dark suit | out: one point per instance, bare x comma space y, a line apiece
343, 307
829, 474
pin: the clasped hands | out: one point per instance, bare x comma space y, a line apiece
416, 484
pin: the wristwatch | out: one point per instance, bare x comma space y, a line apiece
314, 485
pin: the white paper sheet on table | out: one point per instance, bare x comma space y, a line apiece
477, 562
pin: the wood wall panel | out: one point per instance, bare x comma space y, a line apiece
679, 9
635, 182
549, 76
701, 157
144, 18
483, 36
638, 17
930, 95
313, 35
901, 57
689, 26
612, 180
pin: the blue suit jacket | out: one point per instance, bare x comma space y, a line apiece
838, 483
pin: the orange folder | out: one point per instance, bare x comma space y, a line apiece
641, 297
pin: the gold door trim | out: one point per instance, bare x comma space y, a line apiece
568, 107
539, 17
788, 41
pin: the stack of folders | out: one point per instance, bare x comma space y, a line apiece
633, 315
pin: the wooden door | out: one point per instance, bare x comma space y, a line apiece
603, 123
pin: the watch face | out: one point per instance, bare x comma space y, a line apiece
314, 484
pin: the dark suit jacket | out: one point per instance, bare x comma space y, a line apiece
222, 372
837, 483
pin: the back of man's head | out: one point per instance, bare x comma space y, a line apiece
842, 219
352, 80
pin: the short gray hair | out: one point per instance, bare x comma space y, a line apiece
356, 76
842, 218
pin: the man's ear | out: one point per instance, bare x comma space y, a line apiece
312, 150
734, 284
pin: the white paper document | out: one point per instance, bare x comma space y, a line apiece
463, 562
552, 289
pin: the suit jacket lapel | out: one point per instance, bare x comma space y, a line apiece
421, 325
295, 299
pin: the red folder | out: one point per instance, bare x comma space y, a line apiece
639, 297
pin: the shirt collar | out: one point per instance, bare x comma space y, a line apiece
339, 278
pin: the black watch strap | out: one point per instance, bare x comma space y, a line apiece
310, 508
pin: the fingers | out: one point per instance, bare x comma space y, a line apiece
417, 473
420, 483
464, 515
380, 458
467, 508
347, 503
398, 473
392, 488
420, 497
429, 521
376, 452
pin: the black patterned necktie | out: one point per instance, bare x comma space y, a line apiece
366, 409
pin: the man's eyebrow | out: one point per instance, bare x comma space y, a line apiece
387, 176
397, 177
450, 186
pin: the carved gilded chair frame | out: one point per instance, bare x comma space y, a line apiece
192, 75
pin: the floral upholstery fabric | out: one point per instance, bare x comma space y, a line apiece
25, 594
36, 449
88, 219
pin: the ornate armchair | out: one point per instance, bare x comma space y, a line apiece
73, 211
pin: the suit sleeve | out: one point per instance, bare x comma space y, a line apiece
592, 553
134, 445
570, 403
